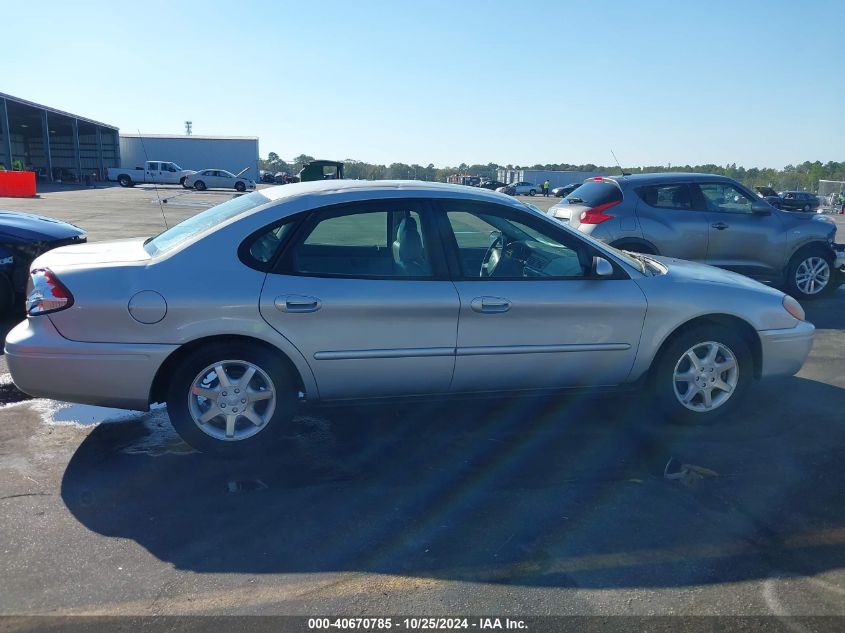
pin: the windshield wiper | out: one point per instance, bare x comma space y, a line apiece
575, 201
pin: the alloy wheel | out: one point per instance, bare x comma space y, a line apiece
812, 275
232, 400
705, 376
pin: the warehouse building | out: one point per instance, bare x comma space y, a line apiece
232, 153
539, 176
57, 145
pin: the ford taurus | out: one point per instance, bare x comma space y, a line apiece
349, 290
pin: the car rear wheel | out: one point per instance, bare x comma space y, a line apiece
702, 374
124, 180
199, 185
231, 399
810, 273
239, 186
532, 192
182, 182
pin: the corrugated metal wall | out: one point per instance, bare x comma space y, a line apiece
192, 152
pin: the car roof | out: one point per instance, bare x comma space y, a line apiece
667, 176
402, 189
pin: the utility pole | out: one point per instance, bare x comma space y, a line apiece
188, 126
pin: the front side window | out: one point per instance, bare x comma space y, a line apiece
497, 243
383, 241
674, 196
725, 198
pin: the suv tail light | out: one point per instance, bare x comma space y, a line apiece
45, 293
597, 215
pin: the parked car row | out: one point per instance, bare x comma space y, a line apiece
708, 219
514, 302
790, 200
278, 178
169, 173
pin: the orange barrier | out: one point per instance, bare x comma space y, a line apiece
17, 184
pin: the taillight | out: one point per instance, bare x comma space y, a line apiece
597, 215
45, 293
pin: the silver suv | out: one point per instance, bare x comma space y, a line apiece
709, 219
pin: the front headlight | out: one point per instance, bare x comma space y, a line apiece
794, 308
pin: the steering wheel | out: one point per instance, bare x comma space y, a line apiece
492, 257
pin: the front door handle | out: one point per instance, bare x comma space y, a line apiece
297, 303
720, 225
490, 305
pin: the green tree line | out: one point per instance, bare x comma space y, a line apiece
804, 176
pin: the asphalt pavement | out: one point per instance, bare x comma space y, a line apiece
508, 507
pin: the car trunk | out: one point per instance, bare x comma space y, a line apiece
586, 205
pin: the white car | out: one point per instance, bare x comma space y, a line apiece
525, 188
219, 179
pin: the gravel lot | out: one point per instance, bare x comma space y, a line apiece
503, 507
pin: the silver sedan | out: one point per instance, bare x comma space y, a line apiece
349, 290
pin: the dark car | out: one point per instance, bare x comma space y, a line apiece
798, 201
560, 192
492, 185
770, 195
508, 189
281, 178
268, 176
23, 237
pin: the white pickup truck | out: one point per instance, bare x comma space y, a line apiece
159, 172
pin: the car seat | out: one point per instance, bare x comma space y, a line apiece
408, 251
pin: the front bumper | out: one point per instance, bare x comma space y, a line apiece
44, 364
785, 351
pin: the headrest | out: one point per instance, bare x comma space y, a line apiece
410, 242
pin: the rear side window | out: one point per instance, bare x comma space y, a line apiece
595, 192
675, 196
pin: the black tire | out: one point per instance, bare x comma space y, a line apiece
664, 384
532, 192
264, 440
182, 182
125, 181
239, 186
795, 264
199, 185
806, 208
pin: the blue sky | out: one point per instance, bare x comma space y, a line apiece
755, 83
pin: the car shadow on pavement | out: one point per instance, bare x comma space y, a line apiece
564, 492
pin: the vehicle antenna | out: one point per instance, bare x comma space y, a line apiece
618, 165
155, 186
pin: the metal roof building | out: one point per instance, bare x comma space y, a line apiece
538, 176
56, 144
232, 153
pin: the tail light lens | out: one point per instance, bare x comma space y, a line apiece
45, 293
597, 215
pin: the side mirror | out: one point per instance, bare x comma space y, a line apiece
761, 207
602, 267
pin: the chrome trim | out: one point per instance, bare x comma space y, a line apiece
385, 353
541, 349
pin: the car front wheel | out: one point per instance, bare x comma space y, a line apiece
199, 185
239, 186
809, 274
702, 374
231, 399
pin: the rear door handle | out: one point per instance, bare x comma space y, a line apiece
297, 303
720, 225
490, 305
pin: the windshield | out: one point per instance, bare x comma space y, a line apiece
202, 222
